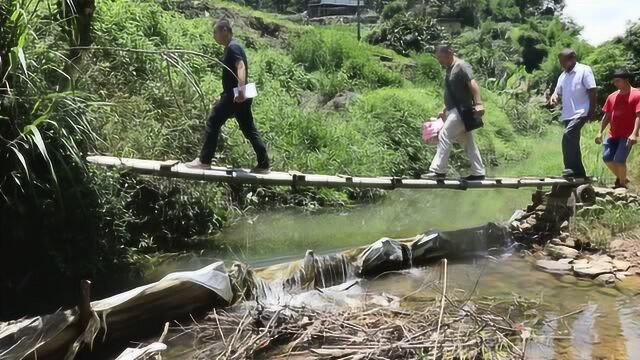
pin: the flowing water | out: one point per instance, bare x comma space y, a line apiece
607, 328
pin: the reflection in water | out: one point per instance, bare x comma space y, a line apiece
628, 311
404, 213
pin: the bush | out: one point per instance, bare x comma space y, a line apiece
276, 66
408, 33
315, 52
428, 70
371, 73
393, 9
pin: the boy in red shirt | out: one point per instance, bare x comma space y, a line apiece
622, 111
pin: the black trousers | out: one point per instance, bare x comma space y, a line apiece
571, 153
222, 111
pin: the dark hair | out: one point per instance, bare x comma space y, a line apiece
568, 52
223, 24
444, 48
622, 74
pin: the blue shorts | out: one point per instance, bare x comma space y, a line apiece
615, 150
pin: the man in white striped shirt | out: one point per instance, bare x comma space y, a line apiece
577, 88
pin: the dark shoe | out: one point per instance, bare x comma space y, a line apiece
474, 178
261, 169
568, 173
433, 176
618, 185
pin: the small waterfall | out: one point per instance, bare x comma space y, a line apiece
331, 270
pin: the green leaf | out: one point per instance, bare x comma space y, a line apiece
23, 61
37, 139
23, 161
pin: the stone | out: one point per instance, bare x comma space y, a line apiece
532, 221
565, 261
602, 258
515, 225
592, 269
559, 252
568, 242
555, 267
620, 191
580, 262
564, 226
606, 279
620, 276
616, 244
622, 203
563, 236
525, 227
620, 265
340, 101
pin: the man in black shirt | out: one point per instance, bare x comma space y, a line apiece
234, 75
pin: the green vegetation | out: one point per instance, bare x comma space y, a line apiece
62, 221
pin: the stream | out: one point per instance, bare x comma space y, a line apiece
608, 327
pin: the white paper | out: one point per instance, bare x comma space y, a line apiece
250, 91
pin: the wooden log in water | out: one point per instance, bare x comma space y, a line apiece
174, 169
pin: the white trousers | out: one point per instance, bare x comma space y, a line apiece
454, 131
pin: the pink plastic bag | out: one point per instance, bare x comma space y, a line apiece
430, 130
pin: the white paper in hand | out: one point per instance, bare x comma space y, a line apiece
250, 91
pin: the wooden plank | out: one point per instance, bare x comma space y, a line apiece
174, 169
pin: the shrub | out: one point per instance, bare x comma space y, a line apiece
393, 9
407, 33
428, 70
371, 73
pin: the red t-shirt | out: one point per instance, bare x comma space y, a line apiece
623, 109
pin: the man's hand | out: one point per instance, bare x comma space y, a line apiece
240, 98
442, 115
632, 140
479, 109
598, 138
553, 100
591, 113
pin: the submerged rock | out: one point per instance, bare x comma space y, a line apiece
606, 280
556, 267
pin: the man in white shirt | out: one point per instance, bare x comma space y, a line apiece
577, 88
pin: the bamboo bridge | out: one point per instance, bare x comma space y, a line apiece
176, 169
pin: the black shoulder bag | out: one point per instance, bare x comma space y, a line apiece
471, 119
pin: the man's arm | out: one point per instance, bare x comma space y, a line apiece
557, 92
477, 99
633, 139
606, 120
241, 70
589, 82
593, 100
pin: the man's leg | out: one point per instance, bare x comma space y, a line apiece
244, 116
620, 159
477, 167
452, 129
571, 148
217, 117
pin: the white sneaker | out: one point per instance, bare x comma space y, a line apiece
197, 164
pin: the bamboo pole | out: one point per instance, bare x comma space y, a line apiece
174, 169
